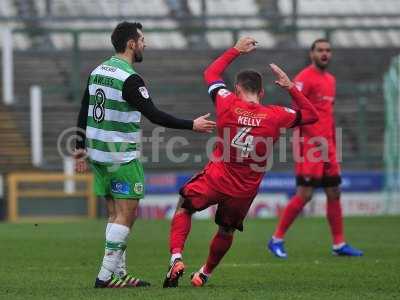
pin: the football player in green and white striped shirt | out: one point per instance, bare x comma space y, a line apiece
114, 100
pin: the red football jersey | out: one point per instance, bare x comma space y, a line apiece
246, 133
320, 88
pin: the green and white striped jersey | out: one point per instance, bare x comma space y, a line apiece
113, 126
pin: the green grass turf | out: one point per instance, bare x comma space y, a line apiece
60, 261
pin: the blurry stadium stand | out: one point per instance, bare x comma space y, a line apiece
53, 38
355, 23
230, 11
14, 151
175, 83
124, 9
340, 13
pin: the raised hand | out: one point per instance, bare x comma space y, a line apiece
201, 124
245, 44
282, 79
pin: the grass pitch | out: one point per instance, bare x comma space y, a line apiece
60, 261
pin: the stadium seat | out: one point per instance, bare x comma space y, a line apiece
247, 8
7, 9
115, 8
360, 9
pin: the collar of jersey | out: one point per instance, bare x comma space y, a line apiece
122, 60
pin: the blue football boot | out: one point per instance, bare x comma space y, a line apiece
347, 250
277, 248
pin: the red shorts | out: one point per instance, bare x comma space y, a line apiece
199, 195
323, 172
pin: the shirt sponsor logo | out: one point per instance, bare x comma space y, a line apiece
120, 187
246, 113
144, 92
224, 93
108, 69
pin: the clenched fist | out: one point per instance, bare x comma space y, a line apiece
245, 44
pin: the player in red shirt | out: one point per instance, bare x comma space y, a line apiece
246, 131
316, 168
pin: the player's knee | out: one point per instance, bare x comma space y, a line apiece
112, 215
335, 197
126, 217
179, 204
129, 221
226, 230
112, 218
333, 194
307, 198
183, 211
185, 205
305, 195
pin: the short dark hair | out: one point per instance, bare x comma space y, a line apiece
250, 80
124, 32
321, 40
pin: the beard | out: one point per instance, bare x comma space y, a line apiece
137, 56
322, 65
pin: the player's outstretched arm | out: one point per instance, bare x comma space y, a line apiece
215, 70
135, 93
213, 73
159, 117
308, 114
202, 124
